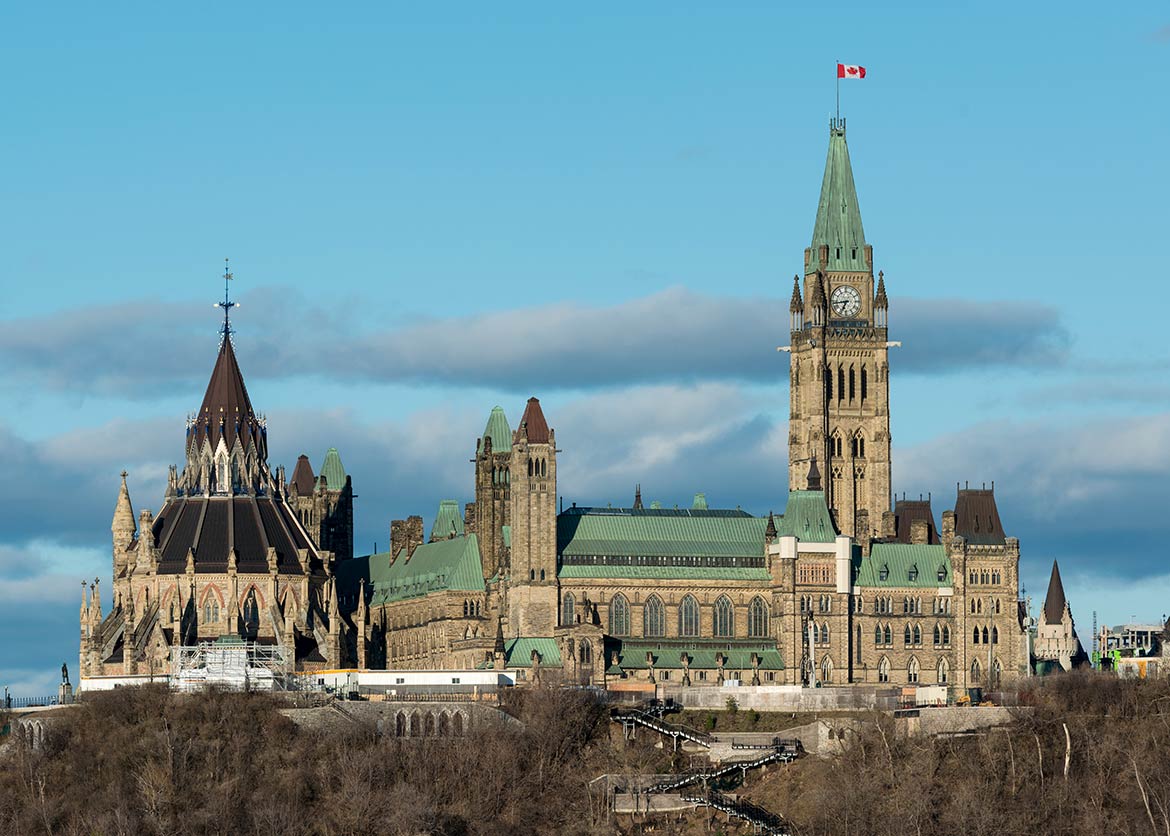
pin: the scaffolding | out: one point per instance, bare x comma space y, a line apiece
232, 664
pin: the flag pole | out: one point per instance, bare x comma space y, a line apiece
838, 75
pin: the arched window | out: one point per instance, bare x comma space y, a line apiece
877, 634
826, 670
864, 394
530, 467
906, 635
946, 636
619, 616
840, 386
544, 467
975, 636
884, 670
568, 610
542, 574
586, 653
400, 725
466, 609
996, 673
857, 645
457, 724
917, 635
995, 635
944, 671
852, 383
985, 635
757, 618
937, 636
912, 670
688, 617
724, 617
972, 606
824, 634
976, 672
889, 635
653, 617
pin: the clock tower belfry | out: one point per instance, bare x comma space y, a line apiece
839, 375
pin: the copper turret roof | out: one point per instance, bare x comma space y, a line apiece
977, 517
532, 423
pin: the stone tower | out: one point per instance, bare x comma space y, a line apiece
324, 503
839, 384
493, 479
532, 597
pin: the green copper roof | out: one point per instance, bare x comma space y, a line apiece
506, 533
838, 221
620, 534
806, 517
668, 655
448, 521
332, 470
498, 431
518, 652
902, 565
434, 567
713, 573
700, 502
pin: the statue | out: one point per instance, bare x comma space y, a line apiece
64, 674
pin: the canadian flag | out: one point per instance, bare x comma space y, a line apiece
850, 71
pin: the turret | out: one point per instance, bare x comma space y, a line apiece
796, 307
493, 486
122, 528
533, 599
881, 304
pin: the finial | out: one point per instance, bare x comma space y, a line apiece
227, 304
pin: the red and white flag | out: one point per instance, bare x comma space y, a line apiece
850, 71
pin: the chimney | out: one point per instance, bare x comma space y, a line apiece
919, 532
948, 527
862, 533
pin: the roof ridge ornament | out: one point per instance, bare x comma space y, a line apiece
227, 304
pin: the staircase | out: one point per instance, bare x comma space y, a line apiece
760, 819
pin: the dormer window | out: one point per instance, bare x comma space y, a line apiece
884, 573
942, 573
913, 573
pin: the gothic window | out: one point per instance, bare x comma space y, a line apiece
857, 604
906, 635
840, 383
530, 467
944, 670
653, 617
888, 636
478, 609
829, 385
884, 670
824, 634
857, 645
757, 618
688, 617
852, 384
997, 606
568, 610
985, 635
912, 670
946, 636
937, 636
917, 635
619, 616
544, 467
542, 574
724, 617
466, 609
826, 670
973, 577
975, 636
905, 605
983, 577
877, 635
976, 671
995, 635
586, 653
864, 385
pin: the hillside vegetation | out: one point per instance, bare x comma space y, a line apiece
145, 761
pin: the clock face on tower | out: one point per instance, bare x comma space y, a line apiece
845, 301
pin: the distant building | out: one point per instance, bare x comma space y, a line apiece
1056, 644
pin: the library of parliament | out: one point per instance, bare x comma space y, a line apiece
843, 587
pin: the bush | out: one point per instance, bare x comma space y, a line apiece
732, 706
709, 722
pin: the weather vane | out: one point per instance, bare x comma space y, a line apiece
227, 304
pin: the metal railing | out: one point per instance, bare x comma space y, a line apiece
762, 820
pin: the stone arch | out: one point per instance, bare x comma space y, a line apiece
688, 617
400, 724
943, 670
444, 724
416, 724
458, 724
429, 724
723, 624
757, 618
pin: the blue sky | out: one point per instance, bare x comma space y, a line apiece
433, 210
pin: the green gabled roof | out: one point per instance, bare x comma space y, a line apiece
838, 221
332, 470
707, 573
434, 567
498, 431
518, 652
806, 517
660, 536
448, 521
899, 560
667, 655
